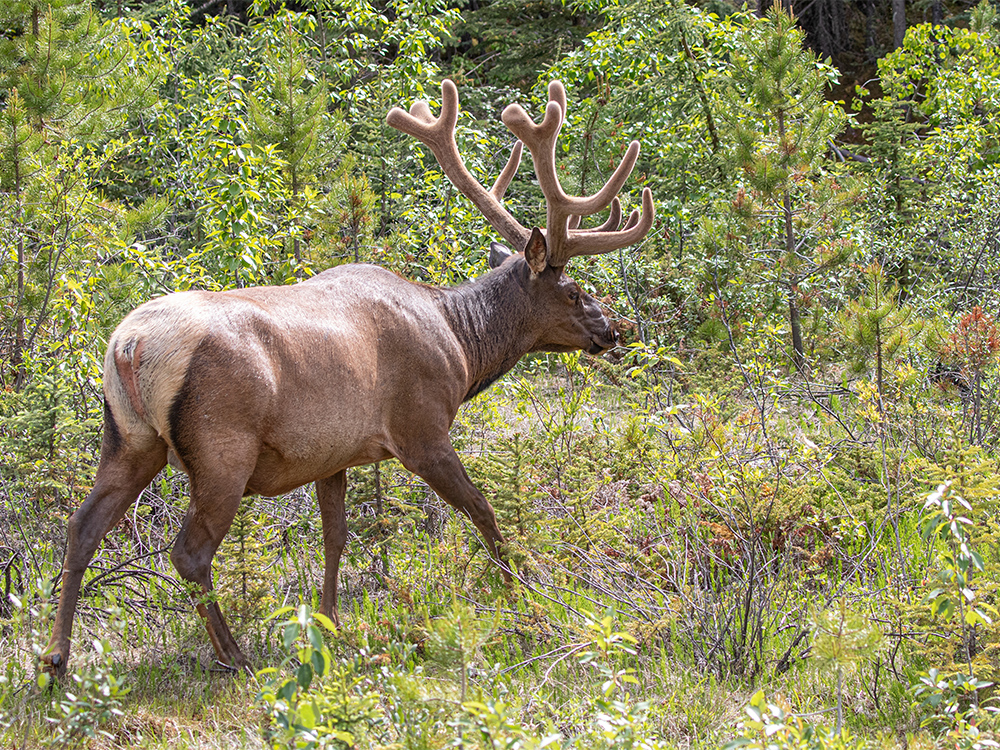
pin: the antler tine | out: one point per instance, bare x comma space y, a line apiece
563, 239
508, 172
557, 94
613, 222
633, 219
439, 135
599, 241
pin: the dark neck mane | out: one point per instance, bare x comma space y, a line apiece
489, 317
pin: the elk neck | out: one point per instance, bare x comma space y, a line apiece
491, 319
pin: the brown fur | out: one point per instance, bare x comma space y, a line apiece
127, 368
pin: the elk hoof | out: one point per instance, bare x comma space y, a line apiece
53, 664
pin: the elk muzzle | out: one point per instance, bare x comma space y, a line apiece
604, 341
603, 334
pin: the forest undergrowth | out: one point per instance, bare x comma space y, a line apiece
767, 519
677, 562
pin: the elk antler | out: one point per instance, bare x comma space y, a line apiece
563, 238
439, 134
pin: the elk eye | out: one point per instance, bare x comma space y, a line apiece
574, 295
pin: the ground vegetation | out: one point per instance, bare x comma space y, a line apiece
769, 518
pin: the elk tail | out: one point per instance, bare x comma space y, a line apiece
127, 361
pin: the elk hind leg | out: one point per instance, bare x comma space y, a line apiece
214, 503
331, 493
124, 471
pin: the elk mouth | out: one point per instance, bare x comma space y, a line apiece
601, 344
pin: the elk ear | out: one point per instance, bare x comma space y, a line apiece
535, 252
498, 254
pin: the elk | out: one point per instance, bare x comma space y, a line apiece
262, 390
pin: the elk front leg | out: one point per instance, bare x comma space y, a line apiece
442, 469
122, 474
330, 493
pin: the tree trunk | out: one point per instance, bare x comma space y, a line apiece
20, 374
898, 23
798, 352
871, 13
879, 377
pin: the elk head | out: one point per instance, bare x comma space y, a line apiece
574, 320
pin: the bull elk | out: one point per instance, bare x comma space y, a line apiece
262, 390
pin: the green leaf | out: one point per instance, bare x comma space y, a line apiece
304, 675
976, 616
307, 715
319, 662
325, 621
315, 637
291, 634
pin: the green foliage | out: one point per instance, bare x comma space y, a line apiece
96, 701
936, 147
610, 718
350, 221
505, 475
788, 203
326, 702
68, 80
323, 702
647, 73
842, 640
951, 707
454, 640
44, 435
773, 726
84, 710
943, 521
244, 585
294, 119
508, 42
779, 120
879, 330
875, 323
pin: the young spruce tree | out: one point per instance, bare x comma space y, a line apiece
780, 126
294, 119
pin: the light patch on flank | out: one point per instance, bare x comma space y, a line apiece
149, 352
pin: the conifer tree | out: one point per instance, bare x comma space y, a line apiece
19, 142
888, 169
37, 63
294, 119
69, 81
781, 125
877, 326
